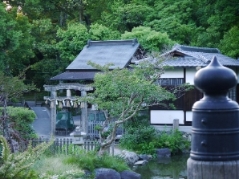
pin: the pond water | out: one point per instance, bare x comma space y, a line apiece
170, 168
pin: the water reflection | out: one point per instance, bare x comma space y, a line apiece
171, 168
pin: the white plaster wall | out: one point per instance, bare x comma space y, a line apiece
173, 73
190, 73
189, 116
166, 116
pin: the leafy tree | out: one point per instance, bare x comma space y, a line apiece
21, 119
11, 88
101, 32
122, 93
18, 165
15, 41
151, 40
125, 15
174, 18
230, 43
72, 40
216, 18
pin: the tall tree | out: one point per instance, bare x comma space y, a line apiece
11, 88
15, 41
150, 40
71, 41
122, 93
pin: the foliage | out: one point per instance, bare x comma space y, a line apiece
150, 39
21, 120
15, 41
230, 43
138, 133
18, 165
89, 160
72, 40
48, 167
101, 32
143, 138
173, 140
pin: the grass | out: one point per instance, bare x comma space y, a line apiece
56, 167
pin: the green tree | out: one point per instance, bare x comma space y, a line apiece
71, 41
15, 41
101, 32
151, 40
215, 18
11, 88
121, 93
174, 18
230, 43
21, 119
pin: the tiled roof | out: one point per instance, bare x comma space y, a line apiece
118, 52
188, 56
75, 75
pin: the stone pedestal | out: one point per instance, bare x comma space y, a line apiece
212, 169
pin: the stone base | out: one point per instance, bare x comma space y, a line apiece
212, 169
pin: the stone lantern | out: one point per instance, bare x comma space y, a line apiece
78, 136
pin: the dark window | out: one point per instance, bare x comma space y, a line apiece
170, 81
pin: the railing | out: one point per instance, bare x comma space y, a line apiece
66, 146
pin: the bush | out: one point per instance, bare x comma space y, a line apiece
138, 135
173, 140
143, 138
89, 160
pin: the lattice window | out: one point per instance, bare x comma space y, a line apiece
232, 93
170, 81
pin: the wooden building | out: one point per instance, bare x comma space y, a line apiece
184, 60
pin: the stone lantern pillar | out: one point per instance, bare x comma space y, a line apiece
215, 126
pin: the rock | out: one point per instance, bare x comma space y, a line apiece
145, 157
163, 152
129, 157
127, 174
140, 162
106, 173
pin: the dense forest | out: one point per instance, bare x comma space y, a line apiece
42, 37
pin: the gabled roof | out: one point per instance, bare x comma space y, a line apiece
75, 75
118, 52
189, 56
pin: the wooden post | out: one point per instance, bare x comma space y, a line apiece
84, 114
175, 124
53, 112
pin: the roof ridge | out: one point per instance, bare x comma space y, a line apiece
112, 42
196, 49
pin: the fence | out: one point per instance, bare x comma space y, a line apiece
65, 145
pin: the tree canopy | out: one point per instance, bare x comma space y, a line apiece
122, 93
47, 35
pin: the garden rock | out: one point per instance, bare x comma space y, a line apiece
127, 174
163, 152
140, 162
145, 157
106, 173
129, 157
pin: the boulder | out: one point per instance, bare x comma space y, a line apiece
145, 157
129, 157
163, 152
127, 174
140, 162
106, 173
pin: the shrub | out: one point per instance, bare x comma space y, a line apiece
89, 160
18, 165
143, 138
173, 140
138, 135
